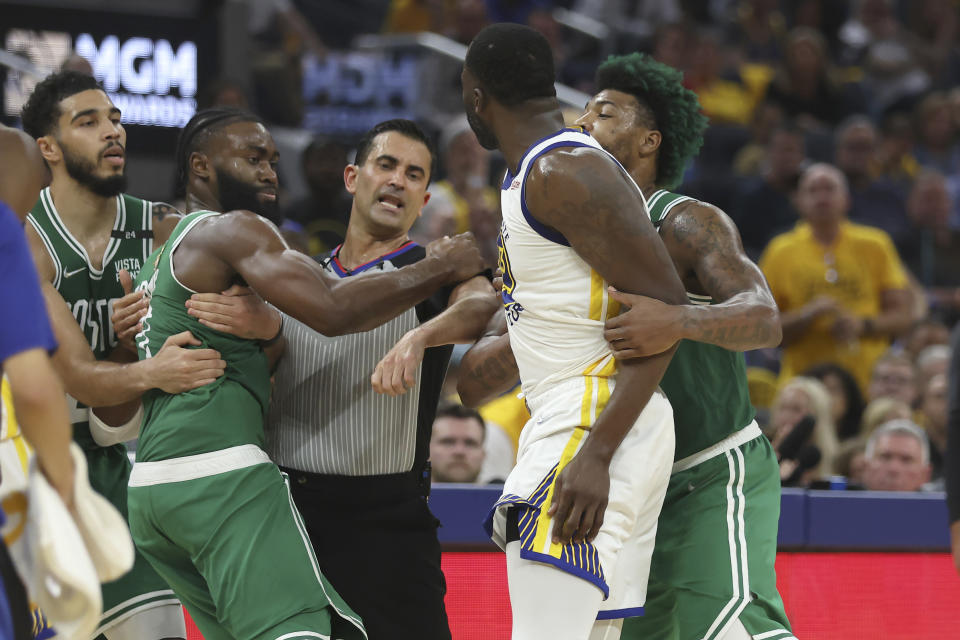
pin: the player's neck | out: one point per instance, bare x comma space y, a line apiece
360, 246
645, 175
194, 201
84, 212
528, 124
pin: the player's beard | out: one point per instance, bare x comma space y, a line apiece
484, 134
236, 194
83, 171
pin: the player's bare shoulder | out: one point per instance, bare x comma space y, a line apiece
236, 232
694, 228
165, 219
565, 183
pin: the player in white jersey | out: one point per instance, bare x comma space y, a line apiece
578, 514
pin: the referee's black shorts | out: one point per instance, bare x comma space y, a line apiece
376, 541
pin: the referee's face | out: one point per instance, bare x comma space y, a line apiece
390, 188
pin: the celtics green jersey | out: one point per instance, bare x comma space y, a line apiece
226, 413
90, 292
706, 384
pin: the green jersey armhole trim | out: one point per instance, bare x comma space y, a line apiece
176, 243
57, 265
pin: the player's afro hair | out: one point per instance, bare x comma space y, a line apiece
512, 62
197, 133
42, 110
670, 108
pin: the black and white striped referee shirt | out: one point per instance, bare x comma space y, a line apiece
324, 415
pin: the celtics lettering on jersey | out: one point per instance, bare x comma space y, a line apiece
147, 285
91, 292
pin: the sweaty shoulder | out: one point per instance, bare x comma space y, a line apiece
697, 213
235, 231
693, 227
569, 162
573, 175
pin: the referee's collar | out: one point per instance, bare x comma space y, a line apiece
343, 272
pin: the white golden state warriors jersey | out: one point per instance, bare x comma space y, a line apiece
555, 303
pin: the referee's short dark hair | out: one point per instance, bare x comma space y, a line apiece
408, 128
452, 410
513, 63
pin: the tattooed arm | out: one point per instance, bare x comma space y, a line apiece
488, 369
588, 198
165, 218
705, 246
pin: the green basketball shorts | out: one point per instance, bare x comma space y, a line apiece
713, 560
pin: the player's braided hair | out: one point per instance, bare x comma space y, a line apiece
512, 62
665, 105
197, 133
42, 110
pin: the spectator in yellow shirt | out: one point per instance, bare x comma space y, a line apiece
842, 291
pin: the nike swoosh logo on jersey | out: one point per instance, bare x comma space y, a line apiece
67, 274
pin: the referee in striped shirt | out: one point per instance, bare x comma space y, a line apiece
350, 416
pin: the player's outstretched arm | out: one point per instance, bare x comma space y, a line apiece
585, 196
297, 285
42, 416
488, 369
471, 304
704, 241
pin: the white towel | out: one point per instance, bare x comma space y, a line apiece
68, 560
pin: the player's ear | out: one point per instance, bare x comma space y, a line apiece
49, 149
650, 142
480, 100
426, 199
199, 165
350, 174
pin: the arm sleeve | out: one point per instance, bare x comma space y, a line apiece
24, 323
952, 456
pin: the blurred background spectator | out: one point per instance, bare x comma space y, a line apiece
846, 400
464, 200
841, 289
897, 458
810, 457
322, 214
456, 445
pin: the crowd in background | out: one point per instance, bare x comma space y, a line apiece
871, 87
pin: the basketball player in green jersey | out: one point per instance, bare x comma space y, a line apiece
208, 508
83, 231
712, 575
